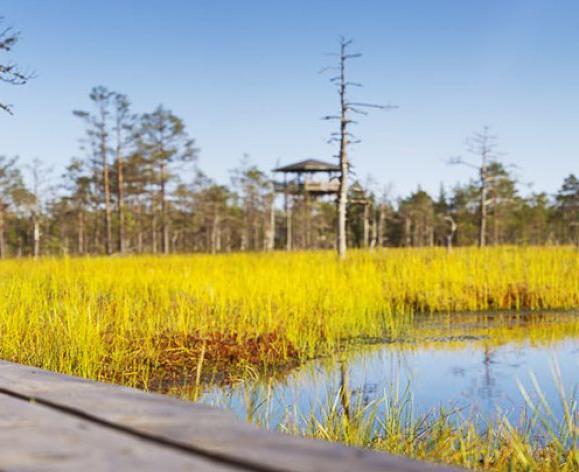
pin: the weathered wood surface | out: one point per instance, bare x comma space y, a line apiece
33, 437
50, 421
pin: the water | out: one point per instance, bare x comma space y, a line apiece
472, 364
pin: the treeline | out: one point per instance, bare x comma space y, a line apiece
138, 189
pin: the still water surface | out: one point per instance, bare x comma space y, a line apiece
474, 364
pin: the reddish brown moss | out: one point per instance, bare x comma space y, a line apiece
214, 357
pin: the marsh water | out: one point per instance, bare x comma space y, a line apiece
472, 364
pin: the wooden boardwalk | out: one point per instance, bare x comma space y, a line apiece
55, 422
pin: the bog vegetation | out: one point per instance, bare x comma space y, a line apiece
157, 322
144, 320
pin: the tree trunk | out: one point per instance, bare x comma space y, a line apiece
164, 223
140, 217
64, 241
366, 226
343, 155
496, 223
483, 196
483, 209
450, 233
175, 241
80, 232
271, 226
2, 231
288, 219
307, 220
96, 235
373, 230
107, 196
407, 232
381, 223
35, 235
214, 231
154, 231
121, 204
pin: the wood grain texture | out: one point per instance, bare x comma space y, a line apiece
36, 438
195, 428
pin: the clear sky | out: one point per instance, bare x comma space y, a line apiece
244, 76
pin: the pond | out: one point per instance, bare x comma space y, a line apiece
474, 365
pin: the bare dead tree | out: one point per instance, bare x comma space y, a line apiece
383, 206
10, 73
366, 224
482, 144
270, 228
343, 136
39, 174
374, 229
452, 227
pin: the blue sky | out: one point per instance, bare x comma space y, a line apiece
244, 76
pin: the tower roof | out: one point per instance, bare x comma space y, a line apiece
309, 165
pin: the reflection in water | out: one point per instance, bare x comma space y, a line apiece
472, 364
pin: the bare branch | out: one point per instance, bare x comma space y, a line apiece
372, 105
345, 42
360, 112
458, 160
7, 108
11, 73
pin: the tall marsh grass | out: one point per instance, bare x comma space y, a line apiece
539, 440
130, 319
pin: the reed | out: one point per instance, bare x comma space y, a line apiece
145, 320
539, 441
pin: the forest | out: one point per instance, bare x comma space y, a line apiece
137, 187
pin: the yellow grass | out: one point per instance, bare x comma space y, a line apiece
102, 317
145, 320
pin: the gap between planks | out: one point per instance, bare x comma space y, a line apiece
158, 440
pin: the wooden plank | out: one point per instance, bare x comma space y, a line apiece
197, 428
36, 438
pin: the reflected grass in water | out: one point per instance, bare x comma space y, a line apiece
536, 429
538, 441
